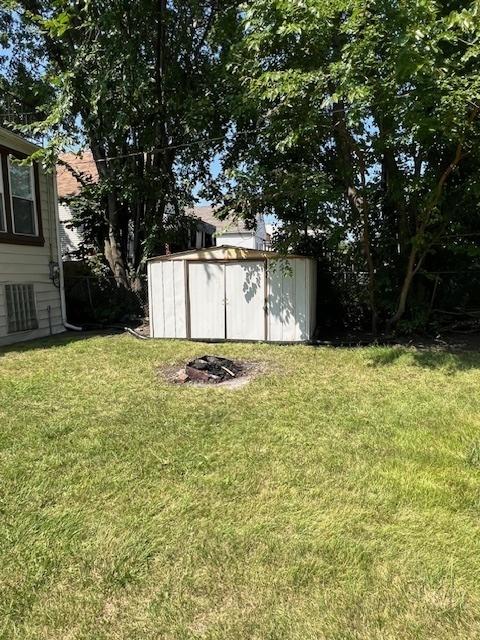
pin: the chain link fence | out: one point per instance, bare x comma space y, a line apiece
99, 300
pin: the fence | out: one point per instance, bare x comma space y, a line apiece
439, 297
99, 300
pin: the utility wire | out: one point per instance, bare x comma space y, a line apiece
184, 145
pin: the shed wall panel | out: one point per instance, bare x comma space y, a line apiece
288, 310
157, 301
281, 300
207, 300
167, 299
180, 295
245, 300
290, 301
274, 301
312, 290
301, 304
169, 303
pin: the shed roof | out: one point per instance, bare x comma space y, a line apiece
226, 252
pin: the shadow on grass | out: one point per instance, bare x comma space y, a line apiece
429, 358
59, 340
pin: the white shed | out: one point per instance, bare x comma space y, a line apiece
230, 293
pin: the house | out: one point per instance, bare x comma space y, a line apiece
31, 279
209, 230
71, 170
233, 232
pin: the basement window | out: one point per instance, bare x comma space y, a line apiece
21, 308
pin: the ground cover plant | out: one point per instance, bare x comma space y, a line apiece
335, 496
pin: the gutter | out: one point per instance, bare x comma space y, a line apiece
63, 305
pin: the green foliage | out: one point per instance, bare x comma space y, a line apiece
135, 82
355, 123
358, 110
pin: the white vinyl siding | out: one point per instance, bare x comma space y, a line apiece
245, 240
25, 264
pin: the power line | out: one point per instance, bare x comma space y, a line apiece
184, 145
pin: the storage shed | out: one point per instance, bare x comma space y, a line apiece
231, 293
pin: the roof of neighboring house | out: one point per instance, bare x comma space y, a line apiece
207, 214
67, 183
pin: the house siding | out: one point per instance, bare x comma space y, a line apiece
24, 264
245, 240
70, 237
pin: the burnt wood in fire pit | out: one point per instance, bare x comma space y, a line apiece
212, 369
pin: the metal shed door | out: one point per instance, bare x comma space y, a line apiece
206, 285
245, 300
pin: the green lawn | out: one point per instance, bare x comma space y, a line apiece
337, 496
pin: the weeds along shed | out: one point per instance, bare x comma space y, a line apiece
231, 293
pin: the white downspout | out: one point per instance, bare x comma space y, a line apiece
63, 305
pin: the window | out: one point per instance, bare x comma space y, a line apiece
21, 309
23, 199
208, 240
20, 216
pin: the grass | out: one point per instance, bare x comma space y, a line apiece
335, 497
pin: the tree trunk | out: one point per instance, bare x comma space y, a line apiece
113, 248
413, 268
347, 148
405, 290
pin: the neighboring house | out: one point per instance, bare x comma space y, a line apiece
70, 236
209, 230
234, 233
69, 185
204, 235
31, 279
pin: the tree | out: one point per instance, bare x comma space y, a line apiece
364, 113
138, 83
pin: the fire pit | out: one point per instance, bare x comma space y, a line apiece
210, 370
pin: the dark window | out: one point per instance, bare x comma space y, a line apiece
208, 240
3, 218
